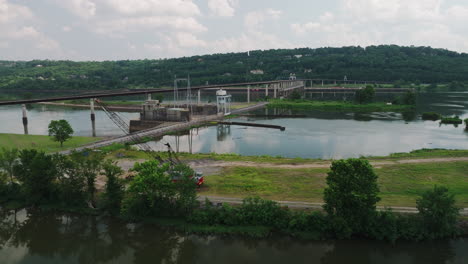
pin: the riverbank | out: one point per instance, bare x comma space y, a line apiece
402, 176
43, 143
338, 106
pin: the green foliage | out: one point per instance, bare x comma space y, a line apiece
71, 181
338, 106
456, 86
437, 208
154, 193
8, 159
114, 189
366, 95
60, 130
451, 120
88, 164
295, 95
37, 174
431, 116
352, 193
383, 63
466, 123
409, 98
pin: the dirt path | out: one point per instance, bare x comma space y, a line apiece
318, 164
210, 167
309, 206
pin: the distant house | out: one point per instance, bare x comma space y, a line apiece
41, 78
256, 71
298, 56
38, 66
227, 74
307, 70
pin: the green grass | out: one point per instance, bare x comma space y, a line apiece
424, 153
338, 106
451, 120
43, 143
400, 184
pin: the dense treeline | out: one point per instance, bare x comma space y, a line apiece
389, 63
30, 177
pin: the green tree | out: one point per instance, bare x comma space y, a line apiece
88, 164
295, 95
60, 130
71, 181
366, 95
186, 190
437, 208
37, 173
151, 191
114, 189
409, 98
8, 159
352, 193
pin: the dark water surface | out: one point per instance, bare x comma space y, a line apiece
34, 237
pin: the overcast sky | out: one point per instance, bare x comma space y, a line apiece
138, 29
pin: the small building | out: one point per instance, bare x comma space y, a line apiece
223, 102
256, 71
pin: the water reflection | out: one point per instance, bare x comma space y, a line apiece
29, 236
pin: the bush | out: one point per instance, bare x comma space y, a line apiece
466, 123
366, 95
258, 211
438, 211
451, 120
431, 116
409, 98
37, 173
351, 194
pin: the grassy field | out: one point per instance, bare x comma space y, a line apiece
41, 142
339, 106
400, 184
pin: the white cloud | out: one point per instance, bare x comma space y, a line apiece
66, 29
162, 7
371, 22
120, 27
10, 12
224, 8
254, 20
82, 8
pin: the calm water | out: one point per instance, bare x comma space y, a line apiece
317, 135
32, 237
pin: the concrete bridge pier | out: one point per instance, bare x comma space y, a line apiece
322, 82
275, 87
266, 89
93, 116
25, 119
148, 97
248, 93
198, 96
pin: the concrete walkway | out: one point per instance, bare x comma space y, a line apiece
163, 129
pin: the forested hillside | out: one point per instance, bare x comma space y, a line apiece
380, 63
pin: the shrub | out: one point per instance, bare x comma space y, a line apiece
438, 211
37, 173
451, 120
258, 211
431, 116
366, 95
351, 194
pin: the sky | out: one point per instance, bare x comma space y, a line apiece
152, 29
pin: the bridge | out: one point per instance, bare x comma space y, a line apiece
279, 88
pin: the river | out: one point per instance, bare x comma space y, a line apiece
314, 135
28, 236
